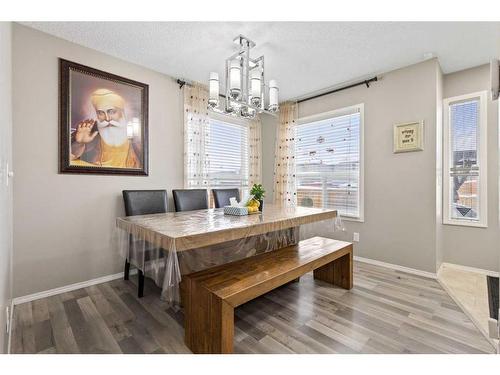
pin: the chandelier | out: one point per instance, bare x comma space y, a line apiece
245, 85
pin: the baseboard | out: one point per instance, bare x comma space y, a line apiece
68, 288
396, 267
470, 269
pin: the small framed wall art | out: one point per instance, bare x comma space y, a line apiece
409, 137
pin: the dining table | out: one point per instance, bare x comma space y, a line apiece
166, 246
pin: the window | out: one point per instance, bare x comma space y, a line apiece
227, 154
464, 182
329, 161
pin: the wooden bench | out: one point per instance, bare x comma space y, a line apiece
213, 294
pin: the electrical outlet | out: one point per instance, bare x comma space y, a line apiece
355, 237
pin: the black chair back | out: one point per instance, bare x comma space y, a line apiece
190, 199
307, 202
221, 196
144, 202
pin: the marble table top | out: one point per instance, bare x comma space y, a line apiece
194, 229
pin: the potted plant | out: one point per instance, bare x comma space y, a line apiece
258, 193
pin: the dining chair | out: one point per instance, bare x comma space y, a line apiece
222, 196
190, 199
142, 202
307, 202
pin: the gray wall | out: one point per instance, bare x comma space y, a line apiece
5, 191
476, 247
400, 192
403, 205
439, 168
63, 224
400, 189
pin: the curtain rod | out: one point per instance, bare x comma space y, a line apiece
181, 83
365, 82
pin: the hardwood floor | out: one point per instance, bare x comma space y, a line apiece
387, 311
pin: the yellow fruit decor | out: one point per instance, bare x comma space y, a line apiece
253, 206
258, 193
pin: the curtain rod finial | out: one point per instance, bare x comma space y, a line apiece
181, 83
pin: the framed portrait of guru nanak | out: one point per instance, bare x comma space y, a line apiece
103, 120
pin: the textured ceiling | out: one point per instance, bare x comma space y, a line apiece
303, 56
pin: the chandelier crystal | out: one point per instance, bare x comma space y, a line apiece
245, 85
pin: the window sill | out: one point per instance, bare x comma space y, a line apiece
354, 219
459, 223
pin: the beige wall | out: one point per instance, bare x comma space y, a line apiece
400, 189
5, 191
63, 224
476, 247
439, 168
400, 192
403, 205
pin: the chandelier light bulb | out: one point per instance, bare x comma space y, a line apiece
234, 107
255, 87
251, 113
247, 112
235, 79
273, 95
213, 85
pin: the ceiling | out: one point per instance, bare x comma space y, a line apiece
304, 57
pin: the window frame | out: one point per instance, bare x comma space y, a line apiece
482, 156
357, 108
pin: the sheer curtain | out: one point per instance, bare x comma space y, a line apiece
196, 122
197, 138
285, 192
254, 151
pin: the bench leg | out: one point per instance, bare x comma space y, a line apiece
338, 272
208, 322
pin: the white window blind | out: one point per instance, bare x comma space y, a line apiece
464, 184
227, 155
328, 162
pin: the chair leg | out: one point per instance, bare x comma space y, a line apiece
140, 288
126, 272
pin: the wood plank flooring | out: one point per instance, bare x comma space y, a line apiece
387, 311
